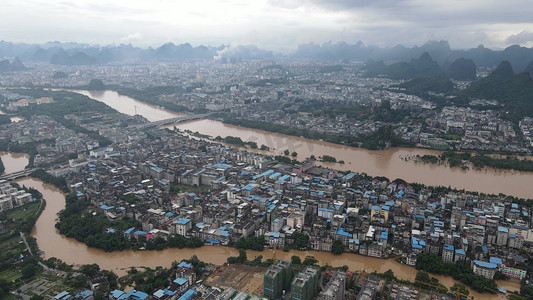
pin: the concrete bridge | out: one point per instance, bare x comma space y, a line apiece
176, 120
16, 175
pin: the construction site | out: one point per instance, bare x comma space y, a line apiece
241, 277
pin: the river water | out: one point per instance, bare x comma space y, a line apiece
73, 252
130, 106
53, 244
389, 163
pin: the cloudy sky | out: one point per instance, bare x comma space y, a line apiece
272, 24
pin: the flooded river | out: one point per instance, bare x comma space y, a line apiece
73, 252
14, 162
390, 163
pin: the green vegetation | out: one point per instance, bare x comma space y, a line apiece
428, 158
331, 110
5, 119
300, 242
348, 140
337, 247
243, 259
90, 228
286, 160
421, 86
514, 92
422, 278
433, 263
21, 219
479, 160
295, 260
59, 182
66, 103
424, 66
237, 141
148, 280
328, 158
151, 96
462, 69
310, 261
15, 264
2, 167
60, 75
76, 222
383, 139
96, 85
252, 242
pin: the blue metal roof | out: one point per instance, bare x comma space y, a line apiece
341, 232
184, 264
180, 281
188, 295
485, 264
460, 251
496, 261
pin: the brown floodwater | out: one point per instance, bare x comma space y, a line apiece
391, 163
14, 162
53, 244
130, 106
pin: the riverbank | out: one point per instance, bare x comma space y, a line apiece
52, 244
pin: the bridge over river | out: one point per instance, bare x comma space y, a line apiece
18, 174
175, 120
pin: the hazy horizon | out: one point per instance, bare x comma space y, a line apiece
277, 25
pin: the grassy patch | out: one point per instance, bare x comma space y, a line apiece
24, 211
10, 275
11, 244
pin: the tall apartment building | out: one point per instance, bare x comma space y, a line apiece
335, 288
305, 284
276, 279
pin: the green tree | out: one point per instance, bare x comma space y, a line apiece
96, 85
28, 270
389, 275
460, 289
242, 256
4, 287
337, 247
295, 260
286, 152
310, 260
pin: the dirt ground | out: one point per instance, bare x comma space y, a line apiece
241, 277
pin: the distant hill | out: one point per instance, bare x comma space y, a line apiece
424, 67
10, 66
462, 69
440, 51
529, 69
76, 59
513, 91
422, 85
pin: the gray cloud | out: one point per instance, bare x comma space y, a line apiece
274, 24
520, 38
